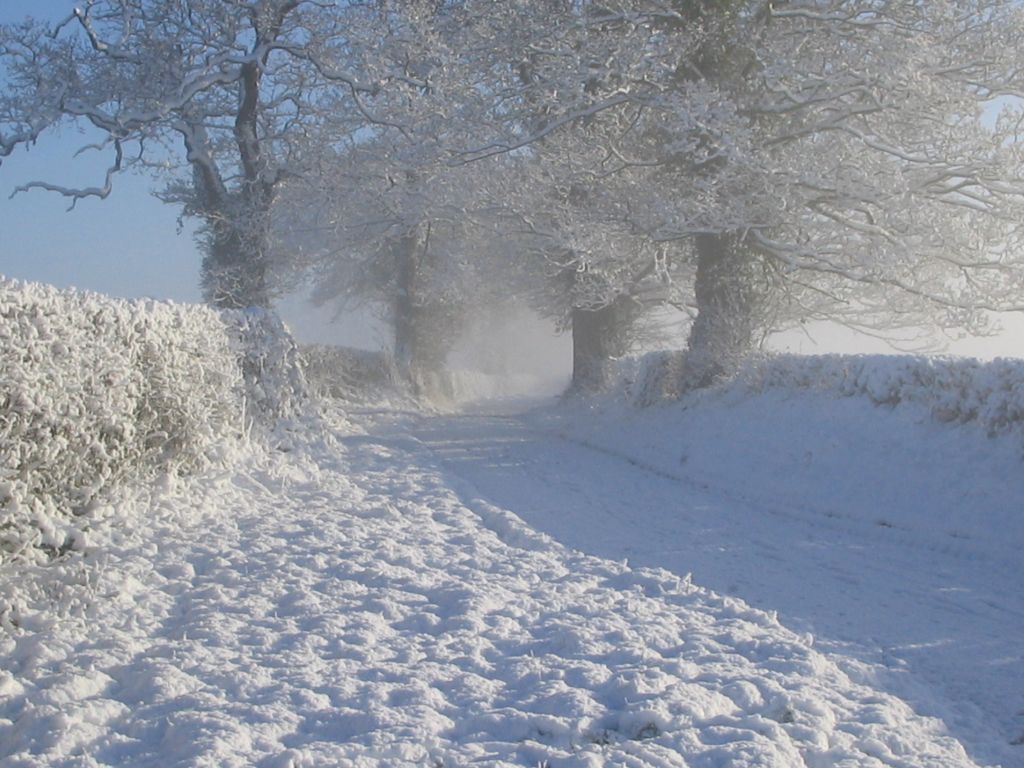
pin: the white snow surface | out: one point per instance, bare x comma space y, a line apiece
453, 590
892, 538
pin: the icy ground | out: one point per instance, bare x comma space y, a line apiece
451, 590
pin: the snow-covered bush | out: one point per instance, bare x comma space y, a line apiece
655, 376
97, 391
644, 380
271, 365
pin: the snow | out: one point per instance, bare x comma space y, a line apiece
98, 392
343, 603
353, 602
891, 537
389, 587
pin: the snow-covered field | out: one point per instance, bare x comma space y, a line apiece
502, 587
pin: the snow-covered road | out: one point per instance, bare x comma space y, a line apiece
377, 600
937, 621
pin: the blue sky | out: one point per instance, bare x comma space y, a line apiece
127, 245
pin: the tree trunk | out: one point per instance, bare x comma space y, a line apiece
234, 271
424, 330
598, 337
730, 293
407, 268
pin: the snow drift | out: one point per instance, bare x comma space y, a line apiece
98, 391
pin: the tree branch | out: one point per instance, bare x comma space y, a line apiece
77, 194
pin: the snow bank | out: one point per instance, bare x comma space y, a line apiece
97, 391
960, 390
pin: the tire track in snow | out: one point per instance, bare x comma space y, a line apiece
889, 596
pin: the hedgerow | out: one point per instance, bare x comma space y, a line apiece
97, 391
960, 390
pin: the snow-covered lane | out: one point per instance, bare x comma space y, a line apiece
357, 606
923, 614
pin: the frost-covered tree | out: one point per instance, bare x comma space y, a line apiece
581, 263
384, 219
218, 99
869, 178
824, 158
558, 76
395, 244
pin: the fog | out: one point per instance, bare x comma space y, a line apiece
504, 350
517, 351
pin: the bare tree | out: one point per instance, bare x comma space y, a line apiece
219, 96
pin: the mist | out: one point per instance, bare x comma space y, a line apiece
508, 350
504, 350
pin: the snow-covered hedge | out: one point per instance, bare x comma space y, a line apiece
275, 385
348, 374
95, 391
960, 390
990, 394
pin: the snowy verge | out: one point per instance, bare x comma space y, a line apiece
99, 391
907, 443
959, 390
350, 375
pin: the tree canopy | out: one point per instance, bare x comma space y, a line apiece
755, 163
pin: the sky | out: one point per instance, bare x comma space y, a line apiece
127, 245
132, 245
